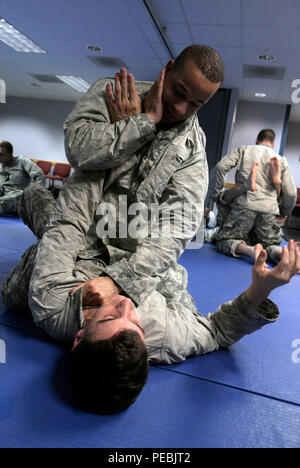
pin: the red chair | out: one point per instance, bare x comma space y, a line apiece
44, 165
61, 173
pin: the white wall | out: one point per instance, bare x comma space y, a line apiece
252, 117
292, 151
35, 127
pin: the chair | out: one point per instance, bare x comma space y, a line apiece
61, 173
45, 166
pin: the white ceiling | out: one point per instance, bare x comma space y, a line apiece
239, 29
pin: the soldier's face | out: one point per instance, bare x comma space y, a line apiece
5, 157
116, 315
185, 91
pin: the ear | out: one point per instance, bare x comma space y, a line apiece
169, 65
272, 145
78, 338
256, 142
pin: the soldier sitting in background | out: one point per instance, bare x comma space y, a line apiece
16, 173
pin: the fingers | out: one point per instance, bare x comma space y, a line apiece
124, 87
132, 92
261, 259
121, 86
290, 259
292, 254
118, 90
109, 94
160, 79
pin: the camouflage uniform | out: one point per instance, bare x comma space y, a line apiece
14, 178
165, 167
253, 215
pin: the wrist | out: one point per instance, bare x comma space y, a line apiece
256, 295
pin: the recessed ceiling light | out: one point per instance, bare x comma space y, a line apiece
260, 95
94, 48
75, 82
16, 40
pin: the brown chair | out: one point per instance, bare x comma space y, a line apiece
44, 165
61, 173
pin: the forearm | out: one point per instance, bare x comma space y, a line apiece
97, 146
217, 176
93, 142
239, 317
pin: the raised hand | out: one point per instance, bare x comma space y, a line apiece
264, 280
153, 104
97, 291
125, 101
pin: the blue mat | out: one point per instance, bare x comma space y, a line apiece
247, 396
261, 362
173, 410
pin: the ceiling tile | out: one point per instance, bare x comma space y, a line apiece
138, 10
270, 37
212, 12
270, 13
57, 9
168, 11
178, 33
222, 36
104, 10
12, 10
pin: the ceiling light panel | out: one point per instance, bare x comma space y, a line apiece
16, 40
75, 82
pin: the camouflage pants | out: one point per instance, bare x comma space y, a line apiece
36, 203
9, 203
210, 235
223, 212
250, 227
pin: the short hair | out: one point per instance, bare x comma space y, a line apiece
266, 134
7, 146
108, 375
207, 59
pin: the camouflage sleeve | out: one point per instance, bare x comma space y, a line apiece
238, 318
34, 172
217, 176
64, 237
182, 206
288, 190
92, 142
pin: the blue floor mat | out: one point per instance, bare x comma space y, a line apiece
247, 396
261, 362
173, 410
